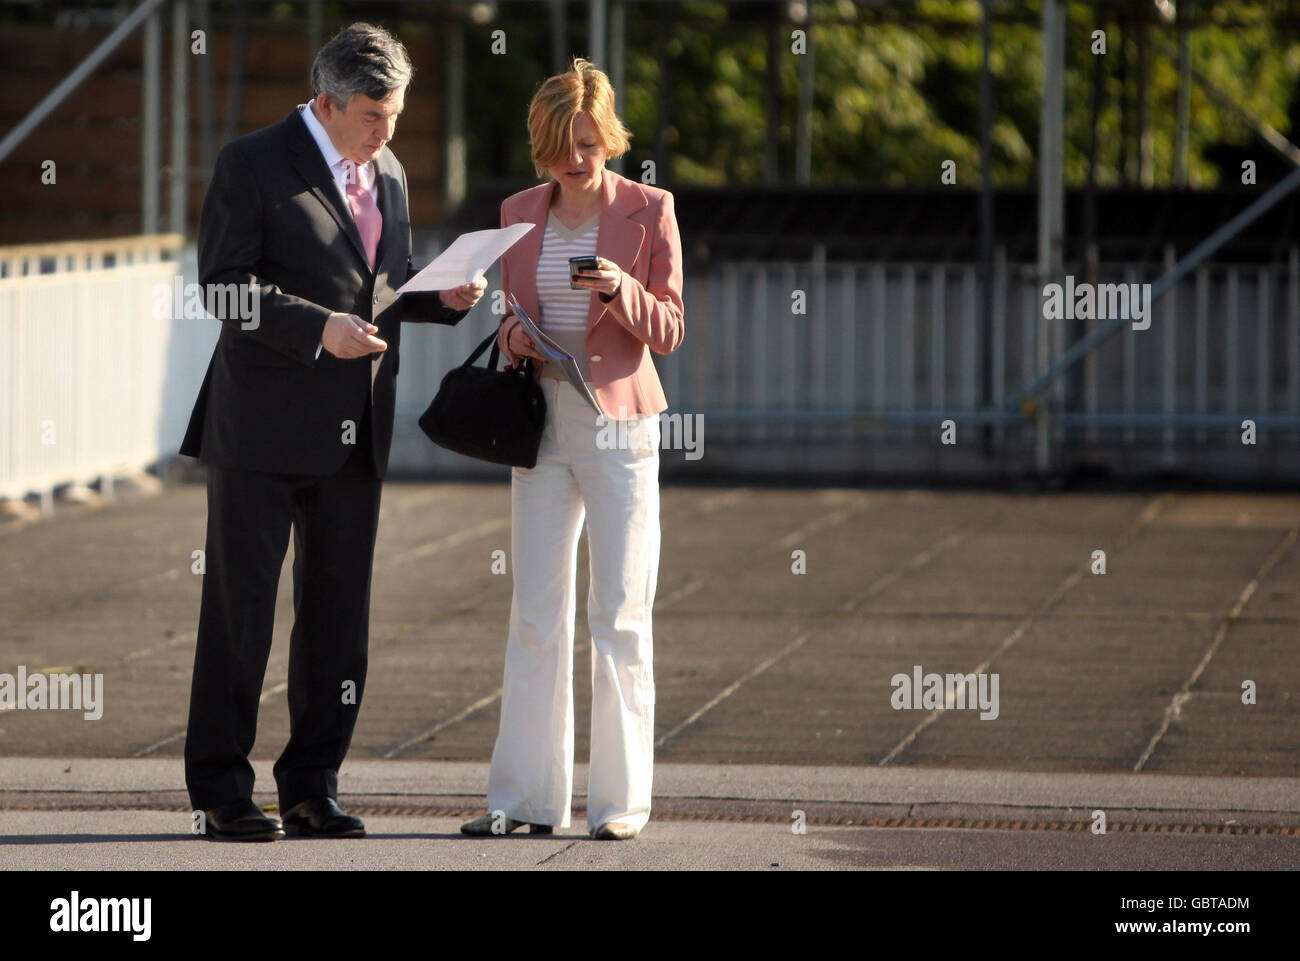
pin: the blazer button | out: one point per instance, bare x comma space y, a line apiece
596, 358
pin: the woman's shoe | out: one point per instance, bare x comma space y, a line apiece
482, 826
615, 831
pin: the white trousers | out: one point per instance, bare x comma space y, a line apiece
610, 476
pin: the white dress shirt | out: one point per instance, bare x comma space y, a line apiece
335, 161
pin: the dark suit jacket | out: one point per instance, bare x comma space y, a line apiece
273, 218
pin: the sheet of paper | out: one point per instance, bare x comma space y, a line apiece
467, 259
556, 354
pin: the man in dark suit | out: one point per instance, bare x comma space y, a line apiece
309, 219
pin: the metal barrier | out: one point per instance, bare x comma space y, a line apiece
863, 380
901, 343
83, 358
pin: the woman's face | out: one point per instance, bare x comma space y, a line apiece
581, 170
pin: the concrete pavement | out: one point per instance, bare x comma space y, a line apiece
131, 814
783, 618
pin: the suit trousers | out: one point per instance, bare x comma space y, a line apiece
250, 513
611, 479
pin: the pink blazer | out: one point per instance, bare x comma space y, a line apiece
638, 231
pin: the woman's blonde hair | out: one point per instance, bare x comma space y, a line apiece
581, 89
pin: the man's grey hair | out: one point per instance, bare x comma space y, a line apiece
361, 59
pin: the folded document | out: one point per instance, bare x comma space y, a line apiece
556, 354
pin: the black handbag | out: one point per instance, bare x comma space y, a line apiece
493, 415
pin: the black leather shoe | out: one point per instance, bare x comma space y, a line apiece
241, 820
321, 817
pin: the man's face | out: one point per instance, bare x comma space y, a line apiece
362, 128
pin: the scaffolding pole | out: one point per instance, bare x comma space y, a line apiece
1051, 206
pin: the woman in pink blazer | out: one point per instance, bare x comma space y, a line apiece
601, 470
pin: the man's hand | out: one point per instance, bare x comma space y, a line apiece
465, 296
347, 335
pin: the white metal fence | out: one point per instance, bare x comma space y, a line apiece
797, 368
87, 366
854, 366
905, 339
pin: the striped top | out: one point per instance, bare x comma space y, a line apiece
563, 310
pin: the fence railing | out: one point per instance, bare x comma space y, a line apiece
83, 357
797, 369
865, 355
905, 339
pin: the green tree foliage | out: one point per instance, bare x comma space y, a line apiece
896, 90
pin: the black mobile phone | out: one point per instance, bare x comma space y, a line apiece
581, 263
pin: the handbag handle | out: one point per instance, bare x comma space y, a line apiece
478, 352
524, 365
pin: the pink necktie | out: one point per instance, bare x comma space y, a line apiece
365, 211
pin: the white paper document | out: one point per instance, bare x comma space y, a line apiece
467, 259
555, 354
